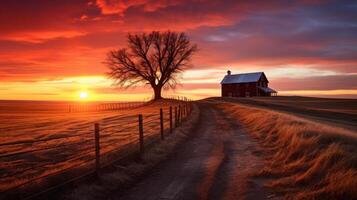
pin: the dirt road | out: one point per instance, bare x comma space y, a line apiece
215, 164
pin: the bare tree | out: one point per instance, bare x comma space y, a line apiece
156, 59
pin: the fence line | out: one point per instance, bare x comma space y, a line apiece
180, 114
165, 118
78, 107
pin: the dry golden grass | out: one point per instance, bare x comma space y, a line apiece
38, 144
337, 112
305, 160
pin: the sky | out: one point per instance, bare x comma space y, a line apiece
55, 50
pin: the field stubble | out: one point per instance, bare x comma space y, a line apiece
38, 144
305, 160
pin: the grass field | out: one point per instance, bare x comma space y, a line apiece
309, 144
305, 158
336, 112
35, 143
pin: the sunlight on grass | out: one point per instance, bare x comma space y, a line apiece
307, 160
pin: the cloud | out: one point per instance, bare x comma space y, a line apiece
283, 38
42, 36
339, 82
295, 42
120, 6
146, 15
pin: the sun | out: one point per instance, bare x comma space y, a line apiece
83, 95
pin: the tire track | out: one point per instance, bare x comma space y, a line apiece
216, 164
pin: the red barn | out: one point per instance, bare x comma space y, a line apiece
246, 85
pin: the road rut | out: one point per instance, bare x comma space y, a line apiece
215, 164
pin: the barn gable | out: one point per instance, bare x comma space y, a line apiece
243, 78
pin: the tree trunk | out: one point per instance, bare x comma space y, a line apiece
157, 92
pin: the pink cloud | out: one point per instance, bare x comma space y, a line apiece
120, 6
51, 39
41, 36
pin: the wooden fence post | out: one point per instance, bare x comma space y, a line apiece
162, 124
175, 116
141, 134
170, 119
97, 148
183, 111
179, 114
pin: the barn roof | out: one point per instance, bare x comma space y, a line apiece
242, 78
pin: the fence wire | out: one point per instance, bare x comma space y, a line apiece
118, 135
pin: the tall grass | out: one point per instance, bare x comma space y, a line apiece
305, 160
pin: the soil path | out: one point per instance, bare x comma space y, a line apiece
215, 164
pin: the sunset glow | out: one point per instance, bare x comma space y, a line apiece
55, 49
83, 95
185, 98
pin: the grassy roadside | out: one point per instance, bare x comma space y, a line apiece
305, 160
336, 112
128, 173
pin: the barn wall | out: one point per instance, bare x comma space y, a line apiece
239, 90
244, 89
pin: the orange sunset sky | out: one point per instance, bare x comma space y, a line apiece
54, 49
